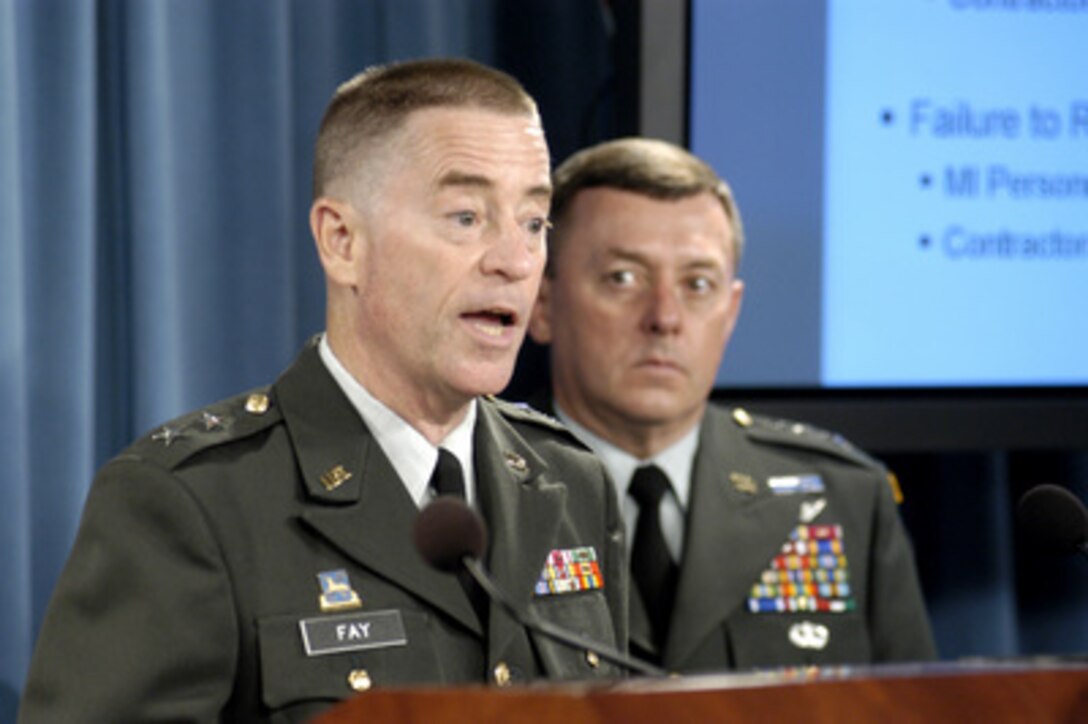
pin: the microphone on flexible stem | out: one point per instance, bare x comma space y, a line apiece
1053, 519
451, 535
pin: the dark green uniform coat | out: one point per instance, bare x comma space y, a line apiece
737, 525
200, 547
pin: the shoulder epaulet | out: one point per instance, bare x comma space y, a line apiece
232, 419
799, 434
524, 412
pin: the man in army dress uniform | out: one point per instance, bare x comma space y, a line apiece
767, 543
253, 561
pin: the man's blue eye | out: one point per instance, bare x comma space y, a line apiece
701, 284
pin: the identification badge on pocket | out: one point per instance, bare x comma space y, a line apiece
354, 632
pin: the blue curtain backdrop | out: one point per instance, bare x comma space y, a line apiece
154, 252
155, 256
154, 245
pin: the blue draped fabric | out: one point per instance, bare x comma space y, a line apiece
154, 246
155, 256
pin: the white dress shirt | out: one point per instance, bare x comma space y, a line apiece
676, 461
412, 455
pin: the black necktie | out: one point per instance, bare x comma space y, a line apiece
652, 567
448, 480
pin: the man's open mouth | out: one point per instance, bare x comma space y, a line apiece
492, 321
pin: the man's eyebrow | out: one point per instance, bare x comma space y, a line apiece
637, 257
472, 180
705, 262
620, 254
460, 178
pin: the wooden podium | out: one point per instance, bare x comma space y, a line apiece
933, 693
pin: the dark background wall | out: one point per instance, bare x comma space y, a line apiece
963, 460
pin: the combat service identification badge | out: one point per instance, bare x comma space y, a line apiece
336, 591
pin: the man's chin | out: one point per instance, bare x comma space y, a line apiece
484, 379
655, 410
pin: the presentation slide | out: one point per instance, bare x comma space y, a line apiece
913, 176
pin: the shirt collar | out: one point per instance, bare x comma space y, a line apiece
676, 461
413, 457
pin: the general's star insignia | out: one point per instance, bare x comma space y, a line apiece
167, 435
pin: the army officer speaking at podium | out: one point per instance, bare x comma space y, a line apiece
252, 561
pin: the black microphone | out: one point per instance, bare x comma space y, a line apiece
449, 534
1053, 519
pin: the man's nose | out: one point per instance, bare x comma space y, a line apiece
512, 251
664, 311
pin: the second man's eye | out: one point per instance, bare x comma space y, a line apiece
701, 284
465, 218
621, 277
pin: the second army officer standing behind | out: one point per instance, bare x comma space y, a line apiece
754, 542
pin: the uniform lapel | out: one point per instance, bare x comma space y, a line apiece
735, 527
369, 515
523, 509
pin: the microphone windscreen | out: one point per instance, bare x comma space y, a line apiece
1052, 518
446, 531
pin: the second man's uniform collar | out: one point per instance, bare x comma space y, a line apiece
676, 461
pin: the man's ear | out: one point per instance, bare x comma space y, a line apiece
336, 230
540, 322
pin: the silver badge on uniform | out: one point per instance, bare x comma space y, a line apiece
791, 484
810, 509
809, 635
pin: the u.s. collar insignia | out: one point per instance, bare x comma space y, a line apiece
334, 477
743, 483
336, 591
515, 462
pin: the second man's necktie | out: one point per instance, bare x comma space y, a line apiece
652, 568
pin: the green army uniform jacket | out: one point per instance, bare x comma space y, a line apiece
794, 555
208, 550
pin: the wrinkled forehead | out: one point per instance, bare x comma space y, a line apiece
691, 224
440, 141
461, 118
472, 141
